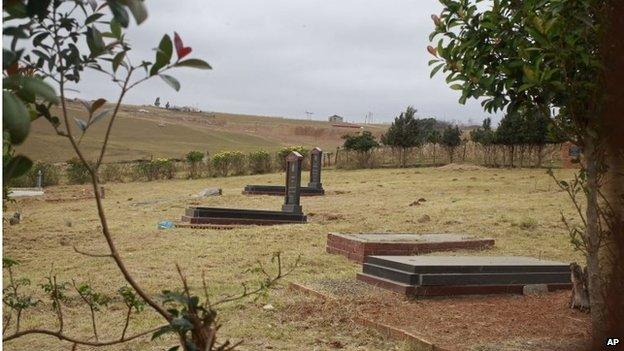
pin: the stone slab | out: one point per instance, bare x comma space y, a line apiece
358, 246
468, 264
233, 216
426, 291
280, 190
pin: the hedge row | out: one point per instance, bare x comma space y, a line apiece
195, 165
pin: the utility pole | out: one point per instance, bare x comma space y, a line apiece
309, 114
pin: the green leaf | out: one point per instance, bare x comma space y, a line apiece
39, 38
101, 115
195, 63
138, 10
95, 41
457, 87
40, 88
82, 125
120, 14
171, 81
436, 69
18, 166
94, 17
115, 28
15, 117
117, 60
163, 54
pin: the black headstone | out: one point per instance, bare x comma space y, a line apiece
293, 183
316, 158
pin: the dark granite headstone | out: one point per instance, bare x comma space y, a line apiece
293, 183
457, 275
316, 159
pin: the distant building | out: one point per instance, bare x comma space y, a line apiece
336, 119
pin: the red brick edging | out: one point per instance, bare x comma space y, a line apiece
384, 329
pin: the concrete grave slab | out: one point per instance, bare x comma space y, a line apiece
357, 246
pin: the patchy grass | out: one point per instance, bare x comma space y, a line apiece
481, 202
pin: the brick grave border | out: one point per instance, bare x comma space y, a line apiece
356, 250
385, 329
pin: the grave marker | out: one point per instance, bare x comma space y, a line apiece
315, 168
293, 183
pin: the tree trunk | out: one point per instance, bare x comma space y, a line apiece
612, 51
434, 163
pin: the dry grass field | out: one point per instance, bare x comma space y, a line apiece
521, 209
141, 132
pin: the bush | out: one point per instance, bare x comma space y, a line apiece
160, 168
259, 162
285, 151
77, 172
112, 172
51, 176
229, 163
194, 159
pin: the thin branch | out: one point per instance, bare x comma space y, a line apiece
94, 182
123, 332
124, 89
74, 340
91, 254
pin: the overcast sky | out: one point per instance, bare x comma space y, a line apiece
286, 57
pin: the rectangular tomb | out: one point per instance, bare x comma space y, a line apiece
357, 246
459, 275
213, 217
217, 215
279, 190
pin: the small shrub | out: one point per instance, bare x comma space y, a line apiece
194, 159
259, 162
112, 172
229, 163
160, 168
285, 151
77, 172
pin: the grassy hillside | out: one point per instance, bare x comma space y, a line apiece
145, 131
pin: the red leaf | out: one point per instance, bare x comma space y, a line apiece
181, 50
433, 51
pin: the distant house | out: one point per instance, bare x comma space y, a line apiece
336, 119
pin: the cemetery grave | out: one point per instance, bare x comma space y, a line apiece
357, 246
220, 218
463, 275
314, 188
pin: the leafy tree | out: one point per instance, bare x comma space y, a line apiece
451, 139
363, 143
434, 138
54, 53
484, 136
509, 134
539, 56
194, 159
404, 133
